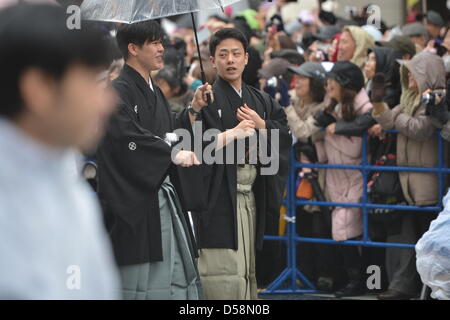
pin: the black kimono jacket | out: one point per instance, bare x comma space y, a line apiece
216, 226
133, 161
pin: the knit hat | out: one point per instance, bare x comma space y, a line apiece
348, 75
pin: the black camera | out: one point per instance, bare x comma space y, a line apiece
272, 82
429, 99
438, 111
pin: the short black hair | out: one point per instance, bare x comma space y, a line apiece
37, 36
226, 33
138, 33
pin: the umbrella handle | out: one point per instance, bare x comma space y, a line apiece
208, 97
208, 94
202, 71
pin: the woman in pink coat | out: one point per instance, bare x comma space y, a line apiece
348, 100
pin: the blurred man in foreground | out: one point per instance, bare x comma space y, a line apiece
55, 100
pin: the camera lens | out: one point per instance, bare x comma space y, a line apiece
272, 82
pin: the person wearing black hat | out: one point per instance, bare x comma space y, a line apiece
348, 100
347, 75
380, 60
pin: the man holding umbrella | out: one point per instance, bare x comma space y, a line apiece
242, 202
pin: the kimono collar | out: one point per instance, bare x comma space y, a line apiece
226, 85
136, 77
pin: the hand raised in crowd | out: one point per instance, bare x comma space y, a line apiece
323, 119
378, 88
246, 113
200, 99
186, 159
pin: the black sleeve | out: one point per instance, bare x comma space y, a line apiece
193, 199
356, 127
182, 120
277, 120
131, 151
392, 97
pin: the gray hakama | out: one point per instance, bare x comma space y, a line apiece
174, 278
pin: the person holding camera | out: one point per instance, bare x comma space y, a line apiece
241, 201
437, 103
416, 146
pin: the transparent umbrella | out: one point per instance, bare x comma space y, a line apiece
130, 11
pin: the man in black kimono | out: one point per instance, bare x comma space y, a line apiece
243, 200
151, 239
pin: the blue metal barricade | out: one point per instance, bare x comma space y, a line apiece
290, 274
